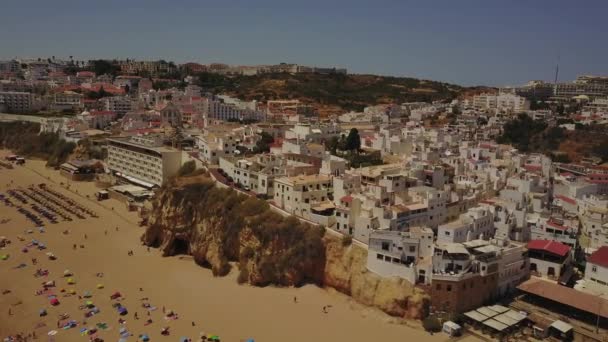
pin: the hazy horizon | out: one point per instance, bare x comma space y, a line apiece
472, 43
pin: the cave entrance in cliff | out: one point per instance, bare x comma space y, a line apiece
181, 247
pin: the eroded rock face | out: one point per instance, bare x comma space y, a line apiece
270, 250
346, 271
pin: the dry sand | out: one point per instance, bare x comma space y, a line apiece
216, 305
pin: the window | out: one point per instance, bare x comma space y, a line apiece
447, 233
385, 246
594, 269
449, 288
379, 256
412, 249
438, 287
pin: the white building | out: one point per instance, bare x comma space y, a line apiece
16, 102
476, 223
596, 272
401, 254
501, 102
118, 104
143, 159
305, 196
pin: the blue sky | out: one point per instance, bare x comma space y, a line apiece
465, 42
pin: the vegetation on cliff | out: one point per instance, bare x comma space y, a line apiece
218, 226
340, 92
529, 135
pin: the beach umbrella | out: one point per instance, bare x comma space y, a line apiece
100, 286
145, 337
52, 333
67, 273
4, 257
88, 303
54, 301
122, 330
102, 326
72, 291
71, 281
42, 312
183, 339
122, 340
87, 294
122, 311
249, 340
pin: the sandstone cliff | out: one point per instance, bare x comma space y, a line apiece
218, 226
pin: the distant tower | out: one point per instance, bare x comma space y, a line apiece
556, 71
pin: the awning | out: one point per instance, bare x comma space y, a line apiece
516, 315
496, 325
506, 320
561, 326
476, 316
498, 308
484, 310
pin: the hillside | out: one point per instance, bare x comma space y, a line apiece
329, 93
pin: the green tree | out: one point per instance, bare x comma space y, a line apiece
353, 140
263, 145
187, 169
102, 67
431, 324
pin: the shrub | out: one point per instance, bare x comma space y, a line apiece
347, 240
431, 324
187, 169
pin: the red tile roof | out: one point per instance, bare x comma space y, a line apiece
556, 225
85, 74
567, 296
599, 257
553, 247
347, 199
566, 199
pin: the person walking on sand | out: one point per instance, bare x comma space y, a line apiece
163, 309
10, 312
85, 236
136, 317
295, 299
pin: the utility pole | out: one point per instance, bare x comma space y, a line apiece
597, 324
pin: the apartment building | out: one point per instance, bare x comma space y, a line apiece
120, 105
67, 100
501, 102
143, 159
17, 102
476, 223
213, 145
302, 195
216, 108
401, 254
464, 277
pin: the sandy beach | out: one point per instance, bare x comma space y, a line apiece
203, 303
